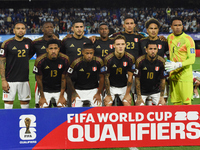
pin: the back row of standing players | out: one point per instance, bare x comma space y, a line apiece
82, 67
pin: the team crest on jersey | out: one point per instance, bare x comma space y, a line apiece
136, 39
60, 66
156, 68
178, 44
125, 64
111, 46
84, 43
94, 68
26, 46
159, 46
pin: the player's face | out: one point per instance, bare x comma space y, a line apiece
103, 31
53, 51
78, 29
19, 30
153, 30
119, 46
152, 50
88, 54
48, 29
129, 25
177, 27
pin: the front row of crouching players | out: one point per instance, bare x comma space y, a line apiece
53, 73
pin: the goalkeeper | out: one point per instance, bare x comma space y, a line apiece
182, 56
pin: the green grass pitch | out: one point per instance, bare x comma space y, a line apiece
196, 67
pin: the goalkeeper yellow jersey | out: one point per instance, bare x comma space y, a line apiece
182, 49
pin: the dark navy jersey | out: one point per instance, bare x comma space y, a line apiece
39, 46
72, 47
103, 48
118, 68
150, 74
132, 42
51, 71
17, 59
162, 47
87, 72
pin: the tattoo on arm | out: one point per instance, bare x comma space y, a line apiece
162, 87
137, 85
107, 83
63, 82
2, 68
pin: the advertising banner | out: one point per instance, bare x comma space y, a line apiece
100, 127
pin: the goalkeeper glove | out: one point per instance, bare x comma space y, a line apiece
170, 65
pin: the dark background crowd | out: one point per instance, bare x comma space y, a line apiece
62, 17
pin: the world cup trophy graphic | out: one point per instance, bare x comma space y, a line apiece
27, 123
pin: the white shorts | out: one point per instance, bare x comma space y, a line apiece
155, 98
117, 91
48, 96
22, 88
85, 95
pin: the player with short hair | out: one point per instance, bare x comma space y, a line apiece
152, 26
87, 84
182, 56
150, 76
103, 44
50, 69
14, 67
39, 46
118, 64
73, 46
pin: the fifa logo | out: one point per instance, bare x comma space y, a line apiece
27, 124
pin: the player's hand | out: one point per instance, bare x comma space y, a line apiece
127, 98
162, 38
139, 101
161, 101
5, 86
42, 101
61, 102
55, 37
97, 99
170, 65
92, 38
108, 100
69, 36
74, 96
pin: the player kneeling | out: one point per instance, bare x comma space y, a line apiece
150, 76
50, 69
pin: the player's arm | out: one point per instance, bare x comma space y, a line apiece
139, 100
127, 97
108, 99
5, 85
32, 50
97, 96
62, 100
162, 89
40, 88
71, 89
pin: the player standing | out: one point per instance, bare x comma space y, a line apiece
39, 45
182, 56
15, 75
